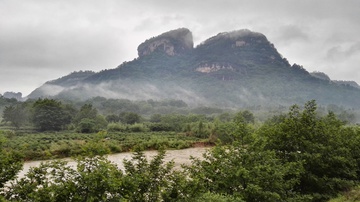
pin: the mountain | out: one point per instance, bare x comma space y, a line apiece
322, 75
10, 95
231, 69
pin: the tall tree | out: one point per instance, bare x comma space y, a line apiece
88, 120
15, 114
49, 114
86, 111
320, 144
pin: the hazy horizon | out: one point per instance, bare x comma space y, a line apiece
42, 40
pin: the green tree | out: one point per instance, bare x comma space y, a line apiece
95, 179
16, 115
129, 117
245, 173
248, 116
10, 163
155, 118
87, 125
242, 129
88, 120
49, 114
86, 111
320, 145
155, 180
112, 118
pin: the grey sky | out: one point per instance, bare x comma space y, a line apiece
41, 40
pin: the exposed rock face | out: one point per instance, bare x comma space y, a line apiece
206, 68
239, 38
171, 43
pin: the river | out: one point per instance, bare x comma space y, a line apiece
179, 156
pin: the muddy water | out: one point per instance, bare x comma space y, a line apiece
178, 156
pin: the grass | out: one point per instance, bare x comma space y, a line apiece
51, 145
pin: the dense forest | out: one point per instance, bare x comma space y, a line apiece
304, 153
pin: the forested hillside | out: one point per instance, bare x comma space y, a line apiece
232, 69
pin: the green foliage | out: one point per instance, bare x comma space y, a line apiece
36, 146
10, 163
49, 115
212, 197
87, 125
112, 118
245, 173
96, 146
150, 181
86, 111
303, 155
129, 117
159, 127
88, 120
95, 179
16, 115
321, 145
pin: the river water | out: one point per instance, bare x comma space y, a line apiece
178, 156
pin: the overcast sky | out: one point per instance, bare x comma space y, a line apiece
41, 40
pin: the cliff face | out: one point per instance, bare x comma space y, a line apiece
171, 43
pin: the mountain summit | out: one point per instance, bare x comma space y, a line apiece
172, 43
231, 69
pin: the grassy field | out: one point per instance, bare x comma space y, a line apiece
40, 146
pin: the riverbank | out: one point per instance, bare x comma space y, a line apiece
180, 156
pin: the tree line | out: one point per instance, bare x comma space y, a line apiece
297, 156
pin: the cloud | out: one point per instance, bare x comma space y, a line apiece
290, 33
338, 52
52, 38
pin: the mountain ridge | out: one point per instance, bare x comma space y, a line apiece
230, 69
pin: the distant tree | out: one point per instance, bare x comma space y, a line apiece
242, 129
87, 126
16, 115
49, 114
248, 116
112, 118
224, 117
88, 120
86, 111
129, 117
155, 118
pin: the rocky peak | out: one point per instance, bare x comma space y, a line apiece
238, 38
242, 47
172, 43
10, 95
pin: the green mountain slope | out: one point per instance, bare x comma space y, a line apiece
239, 68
